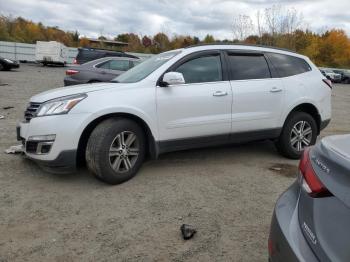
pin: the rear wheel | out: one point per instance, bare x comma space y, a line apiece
299, 131
1, 67
115, 150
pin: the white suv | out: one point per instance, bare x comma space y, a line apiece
187, 98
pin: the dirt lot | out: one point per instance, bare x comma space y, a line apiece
228, 193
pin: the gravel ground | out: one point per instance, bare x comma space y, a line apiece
227, 193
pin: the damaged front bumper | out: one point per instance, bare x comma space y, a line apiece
48, 142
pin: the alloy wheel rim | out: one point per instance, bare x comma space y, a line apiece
301, 135
124, 151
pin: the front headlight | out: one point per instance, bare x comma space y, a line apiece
61, 105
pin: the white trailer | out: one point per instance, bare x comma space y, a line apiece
51, 53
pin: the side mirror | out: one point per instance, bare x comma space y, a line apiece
173, 78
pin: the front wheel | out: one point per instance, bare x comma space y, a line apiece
299, 131
116, 150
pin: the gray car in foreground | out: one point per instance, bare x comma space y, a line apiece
311, 221
99, 70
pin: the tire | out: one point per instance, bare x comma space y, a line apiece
291, 142
105, 148
2, 67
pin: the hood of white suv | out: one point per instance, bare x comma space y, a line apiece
72, 90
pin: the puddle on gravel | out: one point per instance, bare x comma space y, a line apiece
286, 170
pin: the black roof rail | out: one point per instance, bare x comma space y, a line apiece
238, 44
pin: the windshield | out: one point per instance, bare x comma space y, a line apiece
142, 70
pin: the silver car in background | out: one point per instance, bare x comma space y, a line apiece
311, 221
99, 70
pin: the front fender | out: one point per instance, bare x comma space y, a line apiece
152, 125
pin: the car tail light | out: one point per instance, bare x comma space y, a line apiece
70, 72
310, 182
328, 82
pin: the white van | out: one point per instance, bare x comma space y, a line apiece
51, 53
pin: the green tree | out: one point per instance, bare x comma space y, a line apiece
208, 39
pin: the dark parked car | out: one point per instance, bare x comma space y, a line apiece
100, 70
89, 54
345, 75
311, 221
8, 64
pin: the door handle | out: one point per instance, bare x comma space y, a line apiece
220, 93
275, 89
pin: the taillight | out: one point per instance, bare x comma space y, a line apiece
70, 72
328, 82
310, 182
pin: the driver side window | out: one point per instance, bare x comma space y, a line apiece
202, 69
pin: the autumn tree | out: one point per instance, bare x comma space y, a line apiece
275, 26
162, 41
122, 38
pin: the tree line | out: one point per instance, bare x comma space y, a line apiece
272, 27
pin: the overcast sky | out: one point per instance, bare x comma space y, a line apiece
187, 17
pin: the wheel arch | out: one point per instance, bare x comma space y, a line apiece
152, 151
310, 109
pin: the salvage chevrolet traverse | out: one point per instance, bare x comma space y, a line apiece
187, 98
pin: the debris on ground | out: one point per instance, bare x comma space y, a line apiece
3, 84
14, 149
188, 231
286, 170
2, 117
8, 107
275, 168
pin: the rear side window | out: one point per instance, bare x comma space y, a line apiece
202, 69
288, 65
248, 67
104, 65
119, 65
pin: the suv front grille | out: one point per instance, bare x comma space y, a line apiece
31, 111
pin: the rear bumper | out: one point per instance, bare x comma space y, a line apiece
286, 238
